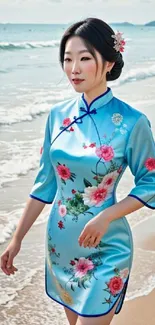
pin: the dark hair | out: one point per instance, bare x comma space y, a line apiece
95, 34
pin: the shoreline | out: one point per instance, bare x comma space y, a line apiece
139, 311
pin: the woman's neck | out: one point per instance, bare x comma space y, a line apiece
91, 95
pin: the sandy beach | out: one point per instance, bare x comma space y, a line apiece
139, 311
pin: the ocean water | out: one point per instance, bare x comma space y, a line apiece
31, 81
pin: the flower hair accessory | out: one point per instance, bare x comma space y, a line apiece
119, 42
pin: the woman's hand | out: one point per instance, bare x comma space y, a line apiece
8, 256
94, 231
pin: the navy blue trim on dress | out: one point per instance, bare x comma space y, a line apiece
147, 205
36, 198
87, 112
75, 121
119, 307
83, 315
88, 106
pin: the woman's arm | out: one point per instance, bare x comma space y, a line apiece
98, 226
31, 212
122, 208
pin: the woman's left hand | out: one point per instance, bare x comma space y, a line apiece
94, 231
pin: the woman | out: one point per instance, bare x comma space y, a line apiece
89, 141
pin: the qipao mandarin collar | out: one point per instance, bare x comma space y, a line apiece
97, 102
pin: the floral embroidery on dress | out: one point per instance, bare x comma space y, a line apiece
105, 152
62, 210
66, 122
150, 164
64, 173
123, 129
72, 206
64, 295
61, 225
116, 284
92, 145
93, 194
117, 119
96, 195
82, 270
84, 146
52, 250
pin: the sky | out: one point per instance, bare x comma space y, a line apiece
68, 11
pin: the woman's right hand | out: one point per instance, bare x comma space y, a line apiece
6, 261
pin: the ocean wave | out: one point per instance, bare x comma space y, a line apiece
136, 74
142, 280
3, 71
22, 114
28, 45
11, 219
39, 103
24, 156
10, 293
139, 74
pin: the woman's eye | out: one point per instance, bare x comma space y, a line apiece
67, 59
85, 58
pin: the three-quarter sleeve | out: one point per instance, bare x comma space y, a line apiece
45, 185
140, 157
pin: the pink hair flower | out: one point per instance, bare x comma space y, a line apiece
119, 42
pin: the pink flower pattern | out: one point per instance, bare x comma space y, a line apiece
64, 172
150, 164
115, 285
109, 180
71, 129
95, 195
82, 266
62, 210
66, 121
105, 152
92, 145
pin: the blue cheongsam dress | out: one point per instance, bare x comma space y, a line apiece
85, 152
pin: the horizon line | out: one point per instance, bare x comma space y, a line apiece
41, 23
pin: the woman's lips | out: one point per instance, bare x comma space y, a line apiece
77, 81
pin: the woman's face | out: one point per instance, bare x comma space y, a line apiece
80, 64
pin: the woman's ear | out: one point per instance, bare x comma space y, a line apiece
110, 66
